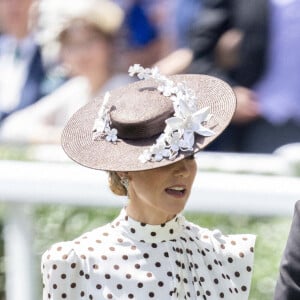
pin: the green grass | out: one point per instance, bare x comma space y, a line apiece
56, 223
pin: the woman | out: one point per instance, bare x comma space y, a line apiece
145, 135
87, 40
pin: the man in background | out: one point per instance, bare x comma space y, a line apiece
254, 45
22, 72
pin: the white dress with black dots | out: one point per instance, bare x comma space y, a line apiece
127, 259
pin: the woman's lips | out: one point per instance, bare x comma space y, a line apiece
176, 191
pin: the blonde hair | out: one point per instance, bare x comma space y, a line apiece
115, 184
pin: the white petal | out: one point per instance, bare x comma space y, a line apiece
184, 108
201, 115
166, 153
114, 138
158, 157
175, 147
175, 123
114, 131
205, 131
188, 140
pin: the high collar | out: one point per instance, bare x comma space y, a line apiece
149, 233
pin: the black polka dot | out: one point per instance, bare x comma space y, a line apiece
237, 274
160, 283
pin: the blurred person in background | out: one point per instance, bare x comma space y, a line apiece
87, 51
22, 69
185, 13
147, 32
253, 45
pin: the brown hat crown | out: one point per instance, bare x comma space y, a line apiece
144, 115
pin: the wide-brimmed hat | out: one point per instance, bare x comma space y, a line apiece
105, 15
149, 123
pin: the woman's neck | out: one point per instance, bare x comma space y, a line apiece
150, 216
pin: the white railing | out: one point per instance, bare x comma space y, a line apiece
23, 184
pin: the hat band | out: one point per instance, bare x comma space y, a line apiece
142, 130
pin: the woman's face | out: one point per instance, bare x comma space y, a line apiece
157, 195
85, 51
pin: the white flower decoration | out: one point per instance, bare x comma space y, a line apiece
102, 124
179, 134
111, 135
135, 69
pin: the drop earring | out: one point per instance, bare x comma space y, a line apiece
125, 182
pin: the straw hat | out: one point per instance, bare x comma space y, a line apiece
149, 123
103, 14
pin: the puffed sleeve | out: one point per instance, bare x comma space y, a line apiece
238, 258
62, 271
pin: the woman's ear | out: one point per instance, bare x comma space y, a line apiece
123, 174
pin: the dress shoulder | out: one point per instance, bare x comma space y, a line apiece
232, 254
61, 268
65, 267
237, 245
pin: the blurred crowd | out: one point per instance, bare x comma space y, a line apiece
55, 56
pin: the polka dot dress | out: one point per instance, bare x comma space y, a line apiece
127, 259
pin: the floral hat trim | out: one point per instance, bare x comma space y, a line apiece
180, 130
102, 129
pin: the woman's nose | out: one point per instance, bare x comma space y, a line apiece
182, 169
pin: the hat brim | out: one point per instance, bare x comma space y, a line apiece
77, 136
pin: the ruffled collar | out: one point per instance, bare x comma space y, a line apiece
149, 233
